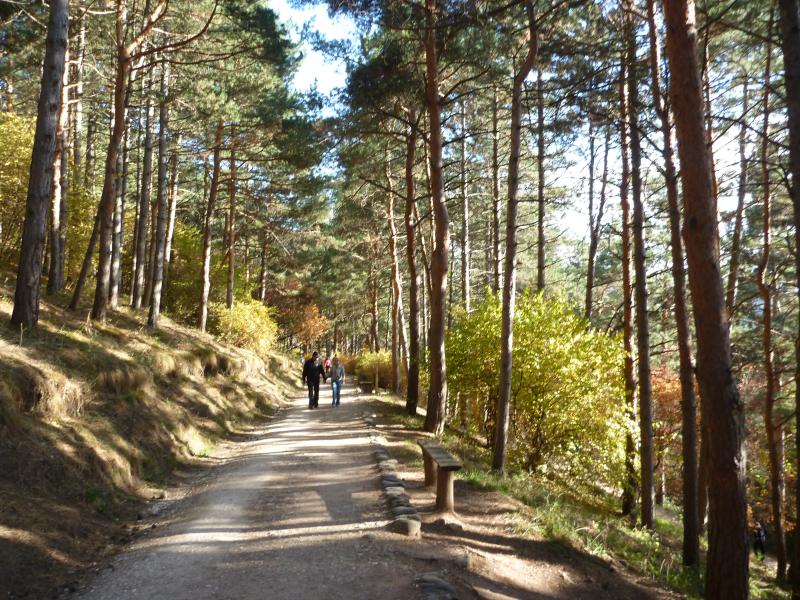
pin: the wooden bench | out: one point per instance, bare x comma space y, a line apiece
366, 386
440, 467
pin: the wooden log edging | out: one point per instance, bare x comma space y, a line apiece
405, 518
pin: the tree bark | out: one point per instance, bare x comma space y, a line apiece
412, 384
466, 283
595, 221
790, 44
510, 272
691, 526
80, 57
773, 429
205, 281
29, 270
540, 241
143, 214
495, 196
631, 480
59, 189
399, 342
173, 211
160, 241
231, 251
736, 242
727, 562
437, 389
640, 290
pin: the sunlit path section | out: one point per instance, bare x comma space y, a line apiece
295, 514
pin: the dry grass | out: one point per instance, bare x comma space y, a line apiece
94, 418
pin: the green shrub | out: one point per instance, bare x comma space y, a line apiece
249, 325
371, 363
567, 404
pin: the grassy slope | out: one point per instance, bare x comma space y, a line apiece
95, 418
589, 520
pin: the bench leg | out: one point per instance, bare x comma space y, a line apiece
444, 491
430, 470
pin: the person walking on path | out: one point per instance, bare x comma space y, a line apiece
759, 541
312, 371
336, 375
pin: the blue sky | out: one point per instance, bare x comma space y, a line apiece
315, 68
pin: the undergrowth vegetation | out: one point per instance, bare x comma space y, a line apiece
96, 417
586, 517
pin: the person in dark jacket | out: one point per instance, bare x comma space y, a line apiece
312, 371
759, 541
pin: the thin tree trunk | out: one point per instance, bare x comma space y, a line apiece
86, 266
29, 271
399, 343
773, 429
790, 43
727, 562
143, 213
80, 52
262, 277
466, 283
595, 222
736, 242
640, 289
373, 313
202, 310
58, 191
231, 225
160, 241
437, 390
412, 384
495, 196
88, 175
173, 211
510, 273
119, 215
691, 526
540, 241
631, 480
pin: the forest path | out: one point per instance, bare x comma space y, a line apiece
296, 512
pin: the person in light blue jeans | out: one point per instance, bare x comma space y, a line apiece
336, 375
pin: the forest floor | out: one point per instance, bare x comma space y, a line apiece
97, 419
293, 509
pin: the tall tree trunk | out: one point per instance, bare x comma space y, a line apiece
373, 312
466, 283
691, 526
89, 174
790, 44
58, 189
231, 225
510, 273
437, 389
29, 271
631, 480
736, 242
173, 211
399, 342
642, 321
773, 429
80, 57
540, 241
160, 241
595, 222
412, 384
495, 195
119, 213
262, 277
727, 562
86, 266
145, 191
202, 310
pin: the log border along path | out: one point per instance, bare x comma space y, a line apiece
296, 513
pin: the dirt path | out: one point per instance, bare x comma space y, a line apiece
296, 512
